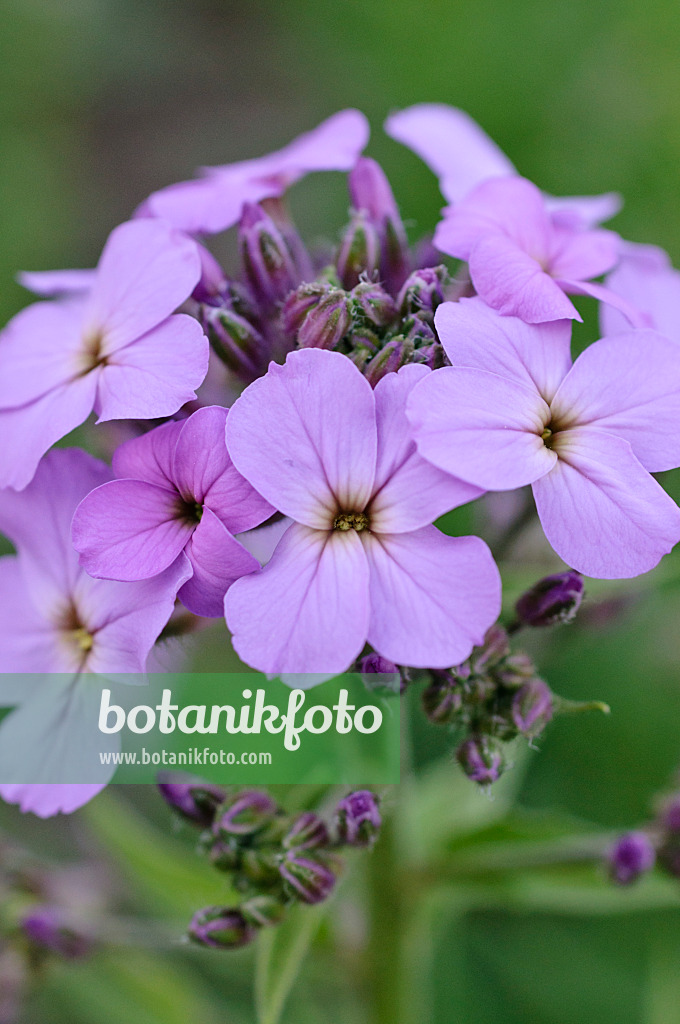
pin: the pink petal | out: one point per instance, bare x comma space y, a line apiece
41, 348
307, 610
28, 432
57, 282
583, 211
155, 375
475, 335
432, 597
580, 255
203, 470
602, 512
47, 800
645, 278
304, 435
628, 385
459, 152
217, 560
633, 316
481, 427
129, 530
28, 643
511, 281
150, 456
409, 492
511, 206
146, 271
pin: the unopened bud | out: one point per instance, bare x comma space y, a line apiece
48, 928
532, 707
630, 857
389, 359
380, 673
235, 340
422, 292
358, 819
263, 911
372, 303
359, 251
299, 303
327, 323
514, 671
307, 832
370, 192
225, 855
482, 759
249, 812
267, 259
443, 698
221, 928
495, 647
196, 801
551, 600
306, 878
669, 817
213, 282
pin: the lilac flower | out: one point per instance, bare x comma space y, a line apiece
177, 491
521, 262
214, 202
361, 560
116, 349
462, 156
56, 620
646, 277
57, 282
513, 411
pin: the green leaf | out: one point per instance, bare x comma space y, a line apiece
281, 951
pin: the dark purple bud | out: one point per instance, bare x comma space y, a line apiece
299, 303
532, 707
327, 323
373, 665
669, 818
482, 759
221, 928
236, 341
268, 262
551, 600
370, 192
443, 698
307, 832
306, 878
496, 646
422, 292
514, 671
196, 801
389, 359
213, 282
263, 911
48, 928
249, 812
372, 303
357, 818
419, 332
359, 252
631, 856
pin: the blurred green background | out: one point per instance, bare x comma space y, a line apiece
102, 101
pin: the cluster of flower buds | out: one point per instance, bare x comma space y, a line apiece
636, 853
275, 859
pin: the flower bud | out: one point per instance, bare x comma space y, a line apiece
359, 251
482, 759
263, 911
371, 193
443, 698
388, 675
669, 854
250, 811
417, 330
372, 303
357, 818
299, 303
307, 832
196, 801
259, 867
495, 647
269, 265
221, 928
225, 855
389, 359
235, 340
48, 928
307, 879
327, 323
532, 707
551, 600
213, 282
514, 671
631, 856
422, 292
669, 817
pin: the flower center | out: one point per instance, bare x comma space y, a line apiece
92, 355
351, 521
547, 437
77, 636
189, 511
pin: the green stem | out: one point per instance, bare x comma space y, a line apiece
387, 913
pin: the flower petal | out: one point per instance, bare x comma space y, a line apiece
129, 530
432, 597
47, 800
57, 282
307, 610
408, 491
475, 335
580, 255
150, 456
155, 375
601, 510
304, 435
628, 385
146, 271
28, 643
644, 277
583, 211
217, 560
481, 427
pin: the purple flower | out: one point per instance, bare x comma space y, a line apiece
645, 277
115, 349
462, 156
631, 856
215, 201
520, 261
177, 491
512, 410
553, 599
56, 619
361, 560
57, 282
358, 819
50, 928
197, 801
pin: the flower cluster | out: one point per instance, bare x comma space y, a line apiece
289, 431
274, 859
